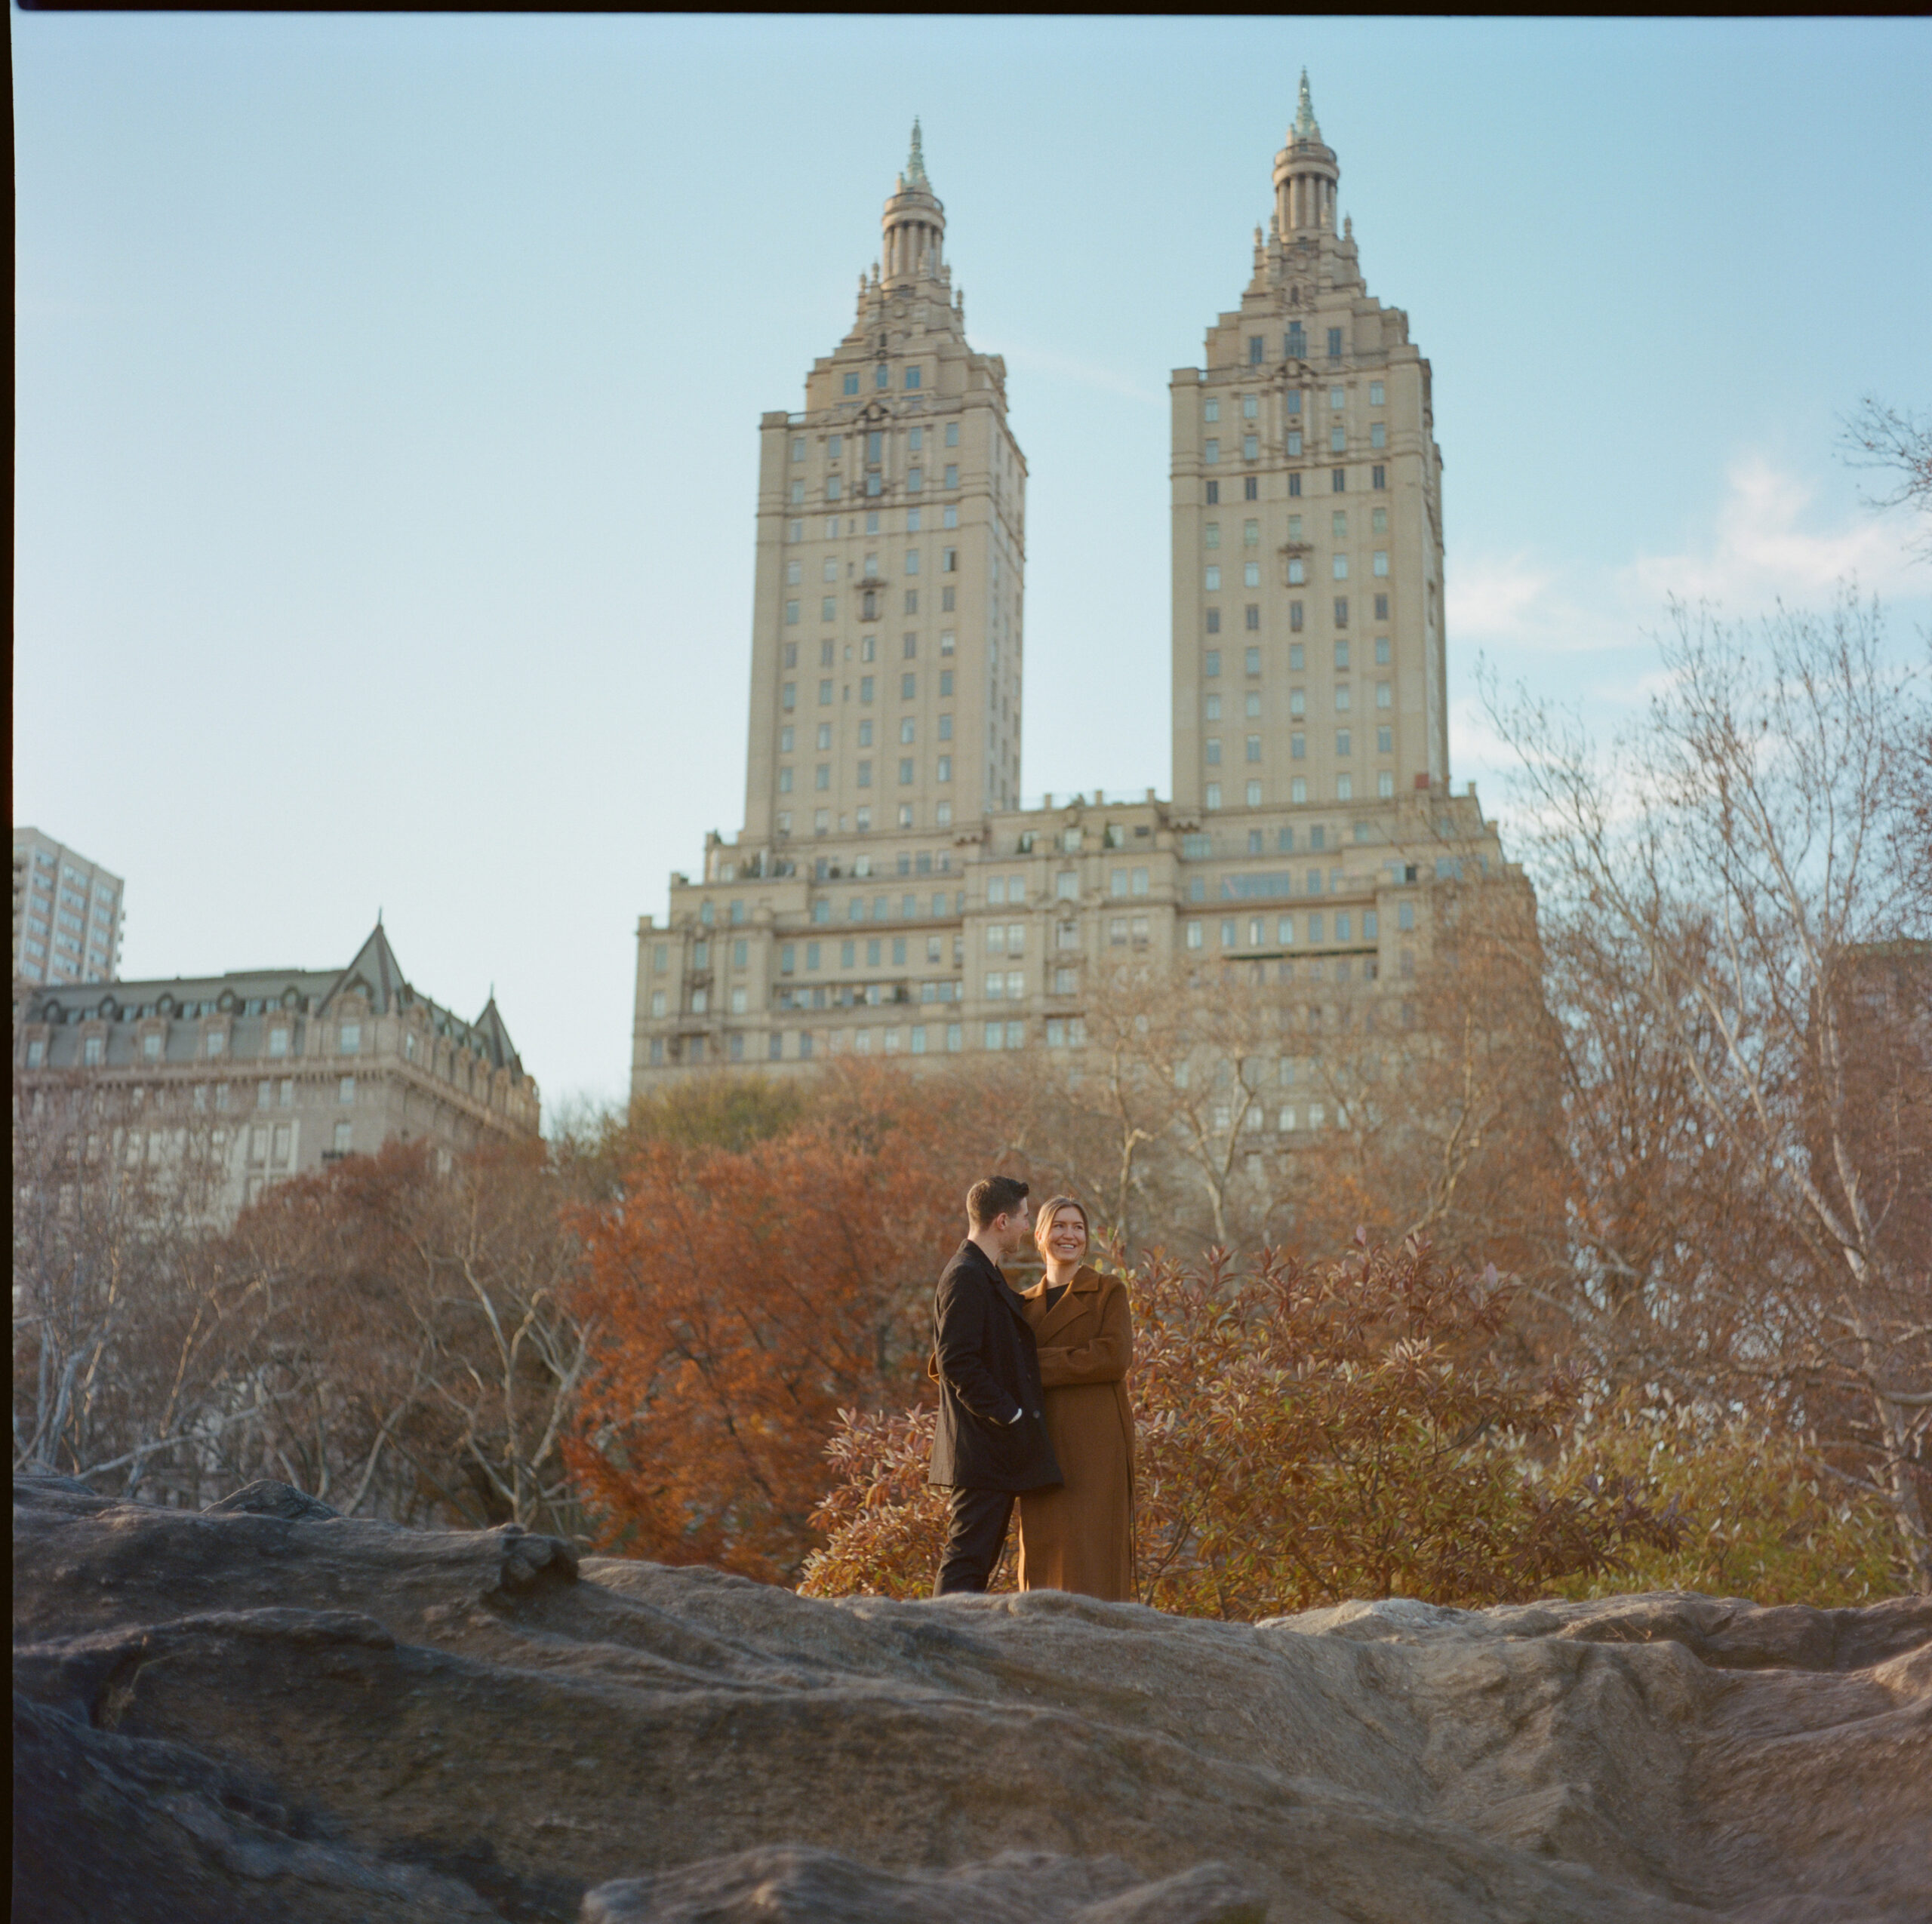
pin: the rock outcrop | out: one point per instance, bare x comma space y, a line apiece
264, 1711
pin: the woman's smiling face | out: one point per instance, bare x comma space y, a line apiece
1067, 1237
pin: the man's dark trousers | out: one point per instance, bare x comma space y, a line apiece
990, 1443
975, 1535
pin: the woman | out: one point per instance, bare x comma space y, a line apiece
1079, 1535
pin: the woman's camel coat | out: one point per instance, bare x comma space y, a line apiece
1079, 1536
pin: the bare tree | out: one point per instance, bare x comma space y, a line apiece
1900, 445
1727, 866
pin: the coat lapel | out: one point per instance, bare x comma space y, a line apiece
1080, 1293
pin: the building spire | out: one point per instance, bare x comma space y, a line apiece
915, 224
1306, 126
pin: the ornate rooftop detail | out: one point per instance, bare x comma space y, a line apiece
914, 175
1306, 128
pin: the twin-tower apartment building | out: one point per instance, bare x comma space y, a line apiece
888, 894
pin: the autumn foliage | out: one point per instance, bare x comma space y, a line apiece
1307, 1433
746, 1294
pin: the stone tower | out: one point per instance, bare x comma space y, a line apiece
886, 644
1307, 520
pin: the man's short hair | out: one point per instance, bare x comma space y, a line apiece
993, 1196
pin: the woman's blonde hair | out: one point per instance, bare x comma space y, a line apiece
1044, 1221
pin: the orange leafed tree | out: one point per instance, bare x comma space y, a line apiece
745, 1293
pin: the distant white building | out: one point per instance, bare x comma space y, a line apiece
242, 1080
68, 913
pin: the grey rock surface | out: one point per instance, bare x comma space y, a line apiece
540, 1739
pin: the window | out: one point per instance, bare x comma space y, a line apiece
1250, 489
1294, 440
1254, 748
1375, 394
1294, 617
1250, 534
1405, 916
1211, 711
1211, 535
1297, 746
1378, 477
1385, 782
1210, 410
1251, 407
1254, 654
345, 1090
1343, 741
150, 1048
1251, 574
1341, 611
1213, 492
1211, 452
865, 775
788, 695
1296, 348
851, 386
905, 773
1251, 621
1335, 347
907, 688
944, 772
1381, 566
1294, 484
1214, 623
911, 561
882, 378
1339, 567
953, 434
1213, 750
1194, 936
949, 561
349, 1038
1338, 439
1381, 607
951, 481
1213, 798
1378, 434
1382, 651
1250, 447
1212, 665
1211, 580
913, 381
1254, 350
1298, 789
1338, 481
1385, 741
1385, 697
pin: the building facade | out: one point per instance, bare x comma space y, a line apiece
261, 1074
69, 913
1312, 829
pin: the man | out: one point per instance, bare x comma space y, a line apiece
991, 1442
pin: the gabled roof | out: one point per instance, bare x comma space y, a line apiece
374, 973
496, 1038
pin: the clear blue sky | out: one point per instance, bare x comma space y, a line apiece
388, 391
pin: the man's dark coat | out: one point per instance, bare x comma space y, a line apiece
989, 1371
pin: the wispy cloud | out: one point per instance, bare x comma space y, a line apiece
1768, 543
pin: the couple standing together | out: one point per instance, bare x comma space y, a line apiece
1032, 1404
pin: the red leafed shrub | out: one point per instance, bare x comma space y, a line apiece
1307, 1433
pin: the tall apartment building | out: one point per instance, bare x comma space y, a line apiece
885, 688
262, 1074
68, 913
1307, 506
1311, 828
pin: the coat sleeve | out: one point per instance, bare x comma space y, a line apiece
1105, 1358
959, 1315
